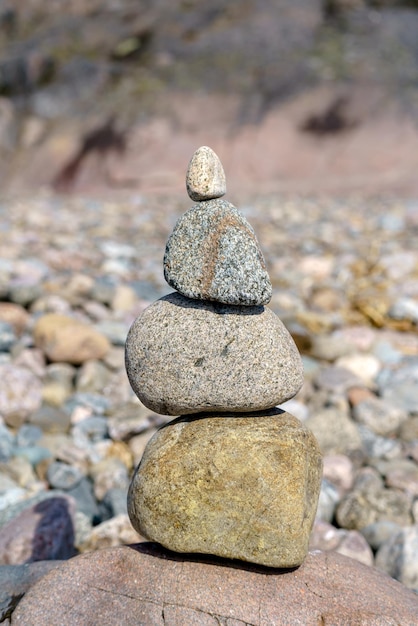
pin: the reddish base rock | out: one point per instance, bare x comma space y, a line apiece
145, 584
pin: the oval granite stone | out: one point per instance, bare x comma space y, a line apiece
205, 178
213, 254
185, 356
242, 487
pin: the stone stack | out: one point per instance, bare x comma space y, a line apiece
233, 476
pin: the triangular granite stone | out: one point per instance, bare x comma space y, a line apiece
213, 254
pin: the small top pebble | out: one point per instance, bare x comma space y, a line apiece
205, 178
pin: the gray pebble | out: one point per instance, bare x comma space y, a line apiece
90, 430
50, 419
378, 447
7, 336
379, 532
86, 503
337, 379
398, 384
63, 476
379, 416
28, 435
398, 557
98, 404
115, 499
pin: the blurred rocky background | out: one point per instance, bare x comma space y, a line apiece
305, 95
312, 106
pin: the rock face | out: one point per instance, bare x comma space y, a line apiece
205, 178
185, 356
145, 584
270, 456
245, 484
213, 254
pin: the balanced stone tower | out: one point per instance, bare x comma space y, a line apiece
233, 476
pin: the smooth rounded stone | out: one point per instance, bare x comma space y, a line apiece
355, 395
15, 315
329, 347
339, 470
185, 356
7, 336
50, 419
64, 338
379, 532
359, 337
403, 474
43, 531
362, 507
355, 546
63, 476
325, 536
377, 447
213, 254
250, 493
365, 366
15, 580
205, 177
23, 292
171, 590
379, 416
347, 542
398, 557
20, 394
335, 431
336, 379
328, 500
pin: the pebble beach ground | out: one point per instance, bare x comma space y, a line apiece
345, 283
